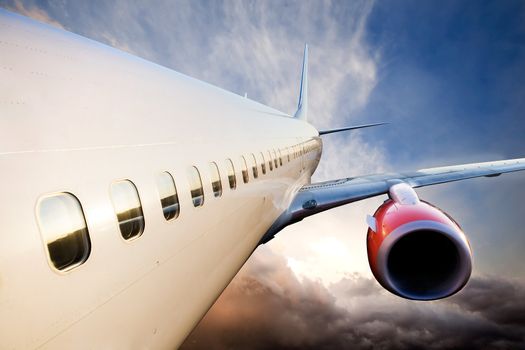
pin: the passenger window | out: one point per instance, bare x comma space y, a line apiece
127, 205
288, 153
169, 200
197, 194
245, 177
63, 227
270, 163
216, 183
263, 164
231, 174
254, 167
280, 157
275, 158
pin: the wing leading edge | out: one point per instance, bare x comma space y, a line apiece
318, 197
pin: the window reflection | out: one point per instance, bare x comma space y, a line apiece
255, 170
169, 199
263, 163
216, 183
64, 229
197, 193
245, 178
128, 208
231, 174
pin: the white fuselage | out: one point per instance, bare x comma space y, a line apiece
76, 116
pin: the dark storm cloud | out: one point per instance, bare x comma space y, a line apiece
499, 300
266, 306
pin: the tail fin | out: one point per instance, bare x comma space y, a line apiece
302, 106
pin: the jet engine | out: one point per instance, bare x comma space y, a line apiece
415, 250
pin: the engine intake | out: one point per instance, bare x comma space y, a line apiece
415, 250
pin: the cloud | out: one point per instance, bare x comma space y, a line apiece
498, 299
267, 306
267, 52
33, 12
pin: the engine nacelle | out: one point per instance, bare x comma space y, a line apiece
415, 250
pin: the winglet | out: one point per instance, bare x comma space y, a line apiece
302, 106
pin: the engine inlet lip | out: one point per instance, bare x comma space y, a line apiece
453, 233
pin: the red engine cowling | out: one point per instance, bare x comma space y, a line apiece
415, 250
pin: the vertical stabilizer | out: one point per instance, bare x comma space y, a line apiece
302, 106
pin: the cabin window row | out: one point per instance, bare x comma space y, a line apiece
63, 224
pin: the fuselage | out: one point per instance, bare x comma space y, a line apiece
77, 116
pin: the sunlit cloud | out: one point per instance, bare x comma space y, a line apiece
33, 12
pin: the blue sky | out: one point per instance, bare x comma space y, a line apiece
449, 77
452, 71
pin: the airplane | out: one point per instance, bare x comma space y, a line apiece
131, 195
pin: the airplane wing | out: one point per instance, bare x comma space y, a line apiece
317, 197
